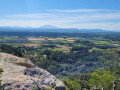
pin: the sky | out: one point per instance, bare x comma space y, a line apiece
82, 14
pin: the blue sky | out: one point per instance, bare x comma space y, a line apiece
83, 14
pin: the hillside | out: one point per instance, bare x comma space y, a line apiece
21, 74
48, 28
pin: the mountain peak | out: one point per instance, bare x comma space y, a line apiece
48, 27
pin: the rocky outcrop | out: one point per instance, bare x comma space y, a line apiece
22, 74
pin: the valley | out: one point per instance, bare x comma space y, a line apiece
68, 56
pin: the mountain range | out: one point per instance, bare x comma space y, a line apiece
49, 28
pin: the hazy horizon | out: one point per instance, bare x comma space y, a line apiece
81, 14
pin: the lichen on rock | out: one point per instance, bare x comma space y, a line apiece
22, 74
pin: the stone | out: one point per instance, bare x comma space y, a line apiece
22, 74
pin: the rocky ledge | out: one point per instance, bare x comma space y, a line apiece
22, 74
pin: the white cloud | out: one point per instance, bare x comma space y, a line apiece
89, 20
66, 16
27, 23
104, 26
37, 16
77, 10
38, 23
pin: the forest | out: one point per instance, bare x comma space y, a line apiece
83, 61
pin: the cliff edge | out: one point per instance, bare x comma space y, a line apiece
22, 74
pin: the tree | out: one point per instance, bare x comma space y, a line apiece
102, 79
73, 84
110, 59
95, 80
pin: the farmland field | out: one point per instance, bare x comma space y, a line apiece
36, 39
30, 45
65, 56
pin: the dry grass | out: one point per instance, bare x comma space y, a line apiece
30, 45
51, 39
116, 45
56, 39
36, 39
60, 39
24, 62
70, 40
64, 48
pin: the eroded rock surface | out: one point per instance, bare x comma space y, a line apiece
21, 74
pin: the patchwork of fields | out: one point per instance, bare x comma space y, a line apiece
64, 44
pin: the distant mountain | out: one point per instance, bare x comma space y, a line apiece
49, 27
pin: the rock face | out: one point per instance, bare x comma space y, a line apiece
22, 74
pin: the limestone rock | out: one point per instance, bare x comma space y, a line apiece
22, 74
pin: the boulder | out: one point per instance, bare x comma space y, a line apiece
22, 74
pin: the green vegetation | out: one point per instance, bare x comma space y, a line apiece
73, 84
1, 70
94, 48
102, 43
83, 61
55, 49
101, 79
